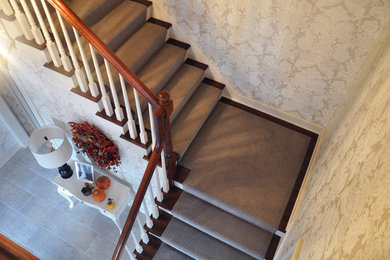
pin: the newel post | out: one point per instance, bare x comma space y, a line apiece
166, 102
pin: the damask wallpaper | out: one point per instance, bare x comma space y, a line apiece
296, 55
345, 212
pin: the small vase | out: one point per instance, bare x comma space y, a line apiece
65, 171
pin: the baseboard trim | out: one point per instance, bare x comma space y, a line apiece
9, 154
304, 186
272, 111
269, 117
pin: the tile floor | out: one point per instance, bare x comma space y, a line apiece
36, 217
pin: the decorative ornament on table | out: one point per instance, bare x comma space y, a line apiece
87, 190
110, 205
103, 182
95, 145
99, 195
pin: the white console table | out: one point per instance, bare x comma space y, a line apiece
118, 192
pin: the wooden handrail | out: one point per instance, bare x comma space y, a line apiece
163, 108
11, 250
104, 51
139, 196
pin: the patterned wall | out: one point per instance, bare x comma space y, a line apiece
298, 56
345, 212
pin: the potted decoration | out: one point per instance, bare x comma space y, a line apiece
95, 145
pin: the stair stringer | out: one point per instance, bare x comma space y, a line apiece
195, 52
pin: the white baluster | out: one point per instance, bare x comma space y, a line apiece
154, 206
91, 83
37, 34
130, 120
118, 110
138, 247
160, 195
132, 256
164, 172
105, 98
142, 135
64, 58
149, 222
144, 236
7, 9
22, 20
51, 46
78, 71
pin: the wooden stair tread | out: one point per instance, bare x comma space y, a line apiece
137, 140
181, 174
150, 249
160, 224
86, 95
112, 118
170, 198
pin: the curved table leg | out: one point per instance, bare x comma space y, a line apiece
66, 196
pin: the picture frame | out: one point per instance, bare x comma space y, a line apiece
84, 172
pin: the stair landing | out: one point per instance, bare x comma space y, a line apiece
245, 165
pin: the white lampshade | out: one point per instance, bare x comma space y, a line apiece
56, 158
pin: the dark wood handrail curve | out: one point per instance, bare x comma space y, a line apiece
139, 196
163, 107
104, 51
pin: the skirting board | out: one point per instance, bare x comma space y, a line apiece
213, 72
301, 194
8, 155
232, 94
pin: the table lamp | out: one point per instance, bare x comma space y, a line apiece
51, 149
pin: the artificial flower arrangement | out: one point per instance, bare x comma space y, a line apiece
95, 145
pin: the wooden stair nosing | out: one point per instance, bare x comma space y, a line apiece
213, 83
181, 174
196, 63
179, 44
32, 43
159, 22
159, 224
86, 95
50, 65
150, 249
137, 140
170, 198
112, 118
144, 2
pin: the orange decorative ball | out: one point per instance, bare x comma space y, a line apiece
99, 195
103, 182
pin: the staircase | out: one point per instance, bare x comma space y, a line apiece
194, 219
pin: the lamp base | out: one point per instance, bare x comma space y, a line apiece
65, 171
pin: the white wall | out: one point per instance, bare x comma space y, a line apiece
346, 209
8, 144
297, 56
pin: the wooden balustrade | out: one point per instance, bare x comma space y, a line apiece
22, 20
6, 8
36, 32
160, 108
51, 46
80, 77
